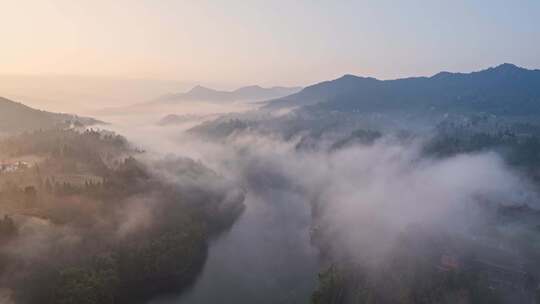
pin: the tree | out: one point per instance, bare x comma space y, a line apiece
7, 228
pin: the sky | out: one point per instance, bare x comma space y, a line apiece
232, 43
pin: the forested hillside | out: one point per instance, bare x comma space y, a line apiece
16, 117
84, 221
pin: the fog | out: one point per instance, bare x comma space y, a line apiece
84, 95
366, 197
304, 208
266, 152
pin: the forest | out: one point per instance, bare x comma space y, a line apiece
495, 260
89, 220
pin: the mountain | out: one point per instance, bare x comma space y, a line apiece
249, 93
16, 117
505, 89
174, 119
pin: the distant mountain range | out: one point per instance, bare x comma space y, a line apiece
174, 119
506, 89
16, 117
249, 93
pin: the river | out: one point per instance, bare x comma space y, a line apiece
266, 257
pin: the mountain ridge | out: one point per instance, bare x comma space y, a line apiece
246, 93
18, 117
494, 90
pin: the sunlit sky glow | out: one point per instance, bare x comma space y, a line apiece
265, 42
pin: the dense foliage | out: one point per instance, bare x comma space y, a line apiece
89, 223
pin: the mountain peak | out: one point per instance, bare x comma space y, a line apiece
247, 93
199, 89
441, 75
251, 88
349, 76
507, 65
506, 68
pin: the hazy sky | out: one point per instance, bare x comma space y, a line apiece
265, 42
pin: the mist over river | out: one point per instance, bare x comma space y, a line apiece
266, 257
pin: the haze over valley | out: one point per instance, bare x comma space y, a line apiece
323, 153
